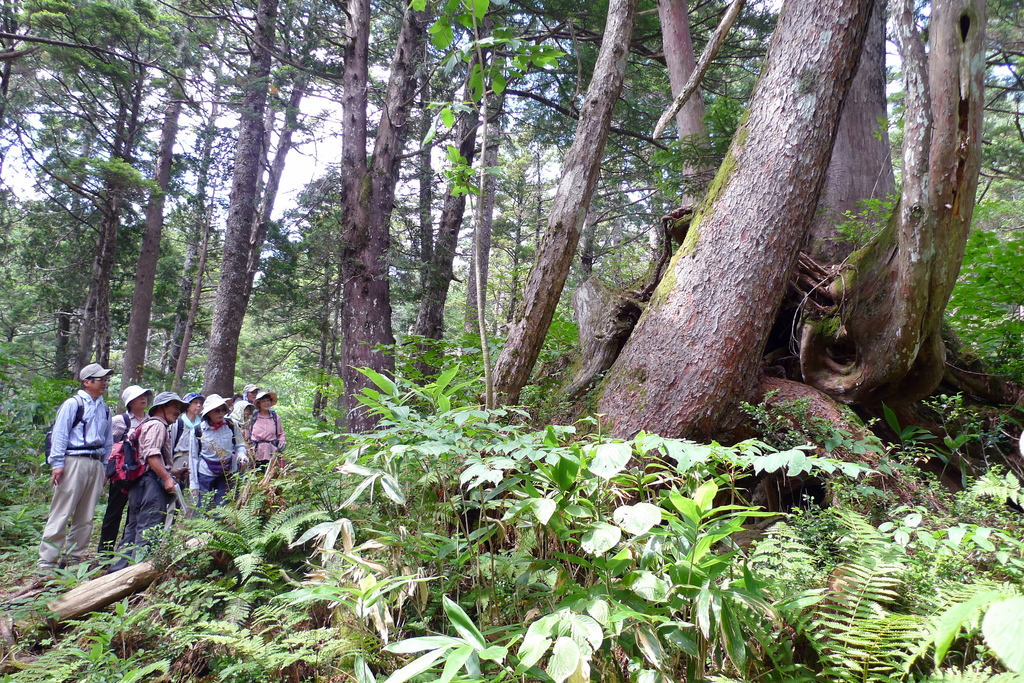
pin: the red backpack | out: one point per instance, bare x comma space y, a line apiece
125, 467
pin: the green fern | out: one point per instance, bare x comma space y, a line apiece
999, 488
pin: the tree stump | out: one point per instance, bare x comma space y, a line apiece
106, 590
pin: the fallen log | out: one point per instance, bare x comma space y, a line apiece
106, 590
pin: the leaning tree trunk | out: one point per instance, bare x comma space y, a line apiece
884, 341
149, 253
861, 165
696, 351
569, 209
229, 313
369, 199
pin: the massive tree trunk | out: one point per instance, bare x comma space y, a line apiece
229, 310
696, 351
149, 253
569, 209
883, 342
861, 165
369, 196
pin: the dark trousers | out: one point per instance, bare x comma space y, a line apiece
147, 508
218, 485
117, 501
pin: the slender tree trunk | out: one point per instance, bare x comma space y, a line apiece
149, 254
579, 177
430, 317
193, 310
425, 178
696, 351
369, 199
62, 352
229, 313
472, 304
678, 47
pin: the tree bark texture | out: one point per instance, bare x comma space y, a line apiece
149, 253
430, 316
884, 342
369, 196
678, 47
861, 165
696, 351
229, 313
472, 303
579, 176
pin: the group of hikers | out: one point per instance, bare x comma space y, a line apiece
193, 442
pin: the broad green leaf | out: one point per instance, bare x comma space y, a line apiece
950, 622
416, 666
1003, 628
498, 83
421, 644
608, 459
494, 653
543, 509
650, 586
418, 5
385, 384
599, 539
565, 658
598, 609
533, 648
455, 661
464, 625
704, 496
362, 671
392, 489
441, 34
479, 7
637, 519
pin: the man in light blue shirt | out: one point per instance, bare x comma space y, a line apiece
77, 461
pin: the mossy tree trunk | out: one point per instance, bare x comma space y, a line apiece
696, 351
885, 341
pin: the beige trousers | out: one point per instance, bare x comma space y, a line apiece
74, 501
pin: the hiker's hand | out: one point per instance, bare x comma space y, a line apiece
178, 472
56, 475
169, 484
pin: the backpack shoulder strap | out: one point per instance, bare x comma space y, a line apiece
79, 410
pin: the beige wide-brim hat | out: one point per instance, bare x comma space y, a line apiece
133, 392
212, 401
266, 394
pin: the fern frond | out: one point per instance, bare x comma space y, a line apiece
999, 488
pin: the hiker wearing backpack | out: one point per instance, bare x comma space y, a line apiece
265, 429
136, 400
216, 451
81, 442
154, 490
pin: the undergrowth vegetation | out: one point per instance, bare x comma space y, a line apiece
459, 544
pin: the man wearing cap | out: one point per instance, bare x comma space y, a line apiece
148, 501
77, 461
135, 400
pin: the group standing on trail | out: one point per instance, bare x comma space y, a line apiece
161, 445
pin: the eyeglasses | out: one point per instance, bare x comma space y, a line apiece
222, 409
98, 379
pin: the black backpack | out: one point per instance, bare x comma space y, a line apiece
78, 419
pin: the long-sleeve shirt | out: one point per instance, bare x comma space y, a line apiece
90, 436
122, 430
216, 446
267, 435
